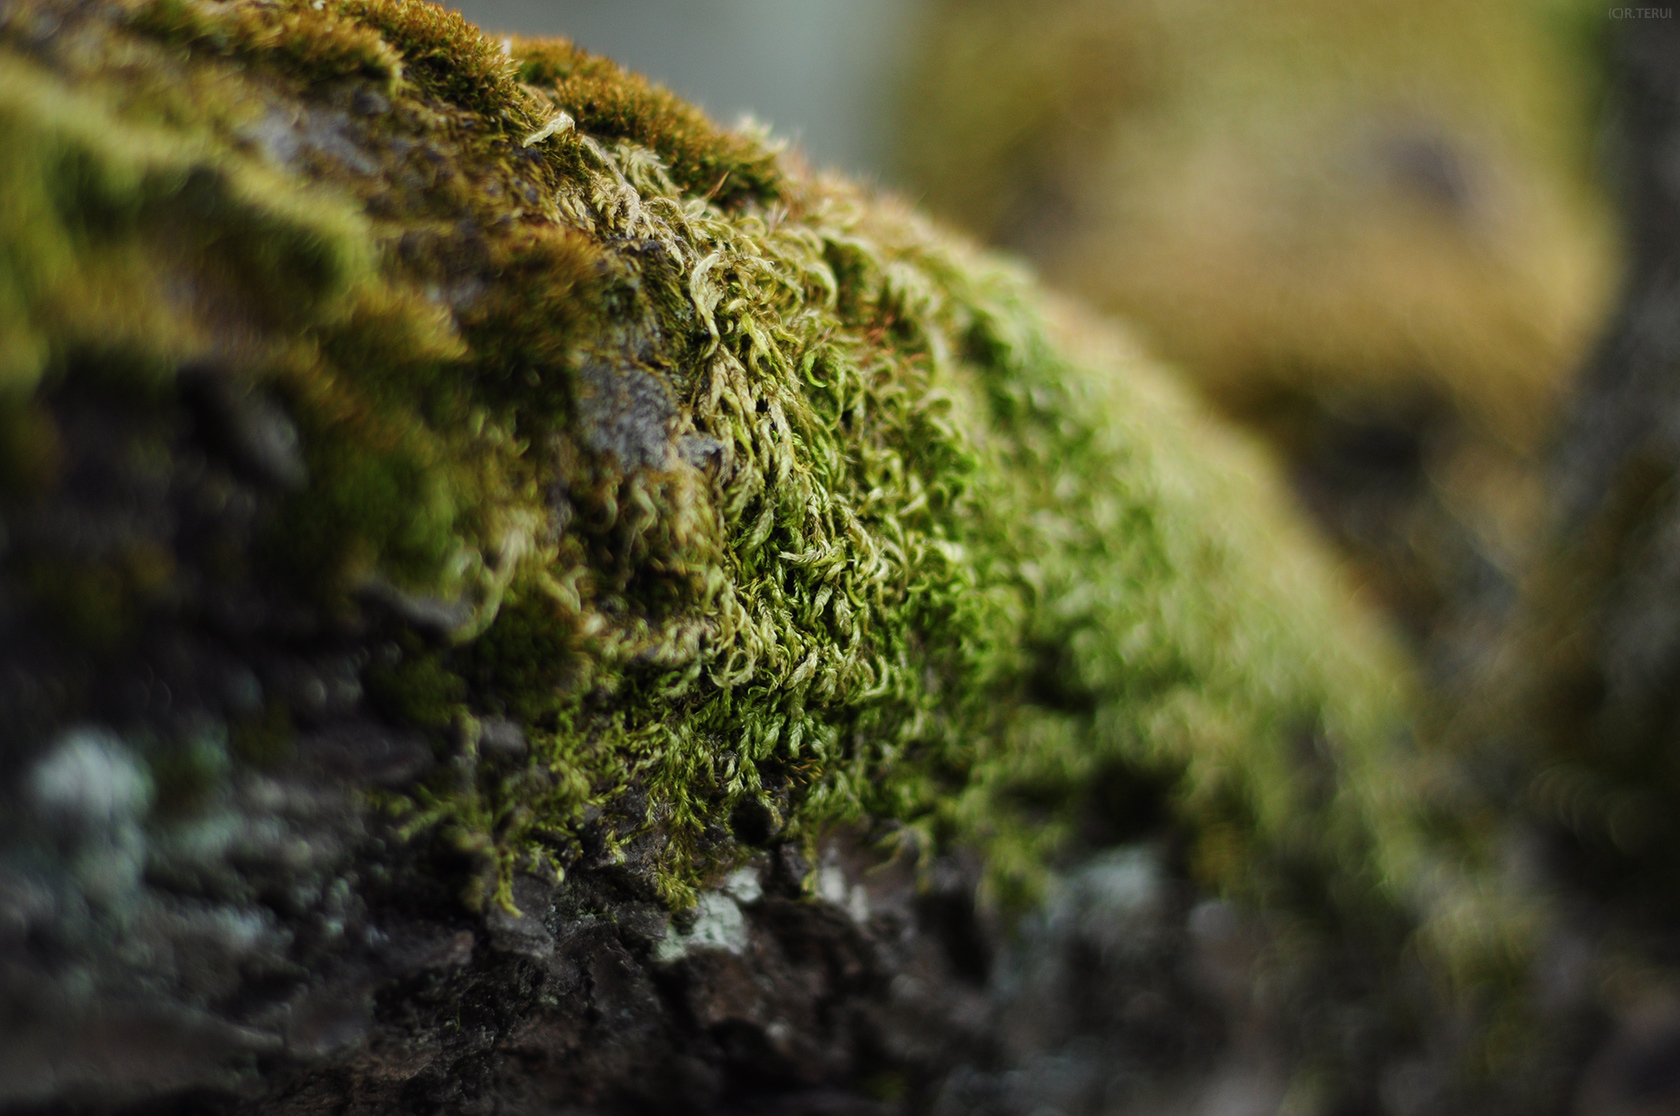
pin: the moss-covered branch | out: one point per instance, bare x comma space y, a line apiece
680, 501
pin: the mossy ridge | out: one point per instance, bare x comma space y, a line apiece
800, 499
609, 102
433, 50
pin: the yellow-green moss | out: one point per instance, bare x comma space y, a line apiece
611, 104
740, 485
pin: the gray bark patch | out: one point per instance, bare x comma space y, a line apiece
627, 413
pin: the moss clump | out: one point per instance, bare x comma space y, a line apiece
733, 486
611, 104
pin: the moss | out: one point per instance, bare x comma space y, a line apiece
606, 101
409, 683
1381, 151
528, 656
806, 508
316, 45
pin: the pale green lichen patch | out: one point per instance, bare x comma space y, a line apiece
718, 924
744, 494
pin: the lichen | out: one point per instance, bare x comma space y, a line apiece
738, 488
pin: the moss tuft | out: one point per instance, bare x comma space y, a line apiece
606, 101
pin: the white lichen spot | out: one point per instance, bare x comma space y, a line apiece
1117, 900
744, 885
558, 125
88, 780
832, 888
831, 884
718, 924
91, 792
1125, 883
857, 903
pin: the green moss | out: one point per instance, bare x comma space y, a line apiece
606, 101
804, 508
411, 684
528, 657
316, 44
1373, 148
